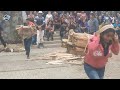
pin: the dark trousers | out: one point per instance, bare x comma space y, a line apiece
84, 30
94, 73
27, 44
2, 40
57, 26
49, 35
34, 39
62, 34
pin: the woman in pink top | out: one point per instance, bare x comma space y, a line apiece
98, 52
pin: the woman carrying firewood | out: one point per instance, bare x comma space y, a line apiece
99, 50
27, 32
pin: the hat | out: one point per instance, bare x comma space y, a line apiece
91, 12
105, 28
40, 12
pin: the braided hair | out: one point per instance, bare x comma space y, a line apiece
104, 44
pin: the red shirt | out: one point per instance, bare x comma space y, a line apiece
31, 24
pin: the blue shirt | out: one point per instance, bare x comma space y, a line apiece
93, 25
116, 25
39, 21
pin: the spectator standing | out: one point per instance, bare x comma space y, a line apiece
48, 17
83, 16
40, 29
63, 30
117, 27
93, 24
56, 21
83, 26
118, 17
107, 18
50, 30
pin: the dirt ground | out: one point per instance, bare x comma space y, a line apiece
16, 66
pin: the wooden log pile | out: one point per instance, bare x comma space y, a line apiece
61, 58
76, 43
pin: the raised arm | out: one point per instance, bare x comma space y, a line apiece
115, 45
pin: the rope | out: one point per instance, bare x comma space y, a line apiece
87, 42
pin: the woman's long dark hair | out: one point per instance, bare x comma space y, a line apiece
104, 44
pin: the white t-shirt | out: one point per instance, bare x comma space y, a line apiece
113, 19
48, 16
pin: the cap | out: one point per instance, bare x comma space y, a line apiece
40, 12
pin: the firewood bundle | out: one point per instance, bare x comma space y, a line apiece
64, 43
77, 42
26, 30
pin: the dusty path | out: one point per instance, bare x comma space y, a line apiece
15, 66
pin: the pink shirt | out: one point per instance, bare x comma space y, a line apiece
95, 54
31, 24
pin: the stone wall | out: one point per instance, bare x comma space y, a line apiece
10, 34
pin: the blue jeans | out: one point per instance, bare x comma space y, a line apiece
34, 39
27, 44
94, 73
